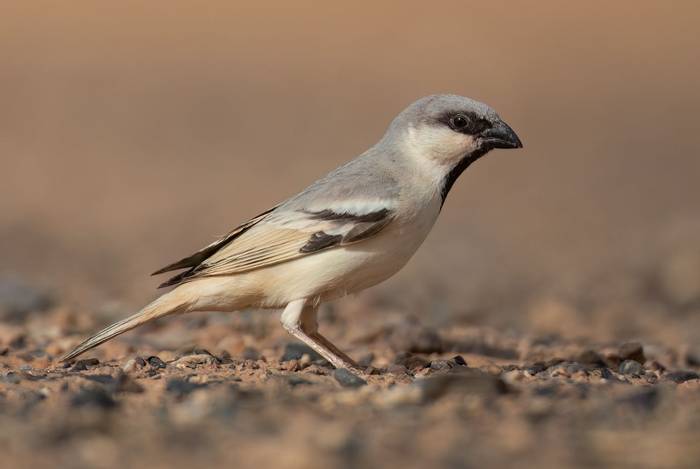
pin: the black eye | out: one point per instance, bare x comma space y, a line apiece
459, 122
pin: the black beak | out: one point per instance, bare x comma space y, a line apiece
500, 136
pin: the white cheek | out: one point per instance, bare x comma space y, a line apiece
438, 144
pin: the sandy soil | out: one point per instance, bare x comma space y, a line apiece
235, 389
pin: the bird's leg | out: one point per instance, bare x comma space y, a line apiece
299, 319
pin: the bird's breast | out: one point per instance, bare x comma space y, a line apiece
338, 271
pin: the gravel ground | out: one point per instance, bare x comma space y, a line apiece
235, 389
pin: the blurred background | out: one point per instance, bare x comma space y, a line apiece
132, 134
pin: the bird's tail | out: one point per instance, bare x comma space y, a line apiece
170, 303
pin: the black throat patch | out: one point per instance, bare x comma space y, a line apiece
455, 172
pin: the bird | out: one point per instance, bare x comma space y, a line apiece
349, 230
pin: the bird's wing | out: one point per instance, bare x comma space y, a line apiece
285, 235
350, 204
198, 257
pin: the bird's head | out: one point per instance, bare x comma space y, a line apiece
446, 133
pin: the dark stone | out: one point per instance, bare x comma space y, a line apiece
97, 397
82, 365
459, 360
347, 379
591, 357
156, 362
296, 350
632, 351
681, 376
539, 367
631, 367
18, 299
535, 368
181, 387
442, 365
605, 373
613, 360
250, 353
572, 368
225, 357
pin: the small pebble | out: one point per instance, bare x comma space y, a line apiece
590, 357
631, 367
441, 365
133, 364
156, 362
459, 360
193, 361
681, 376
347, 379
632, 351
305, 360
82, 365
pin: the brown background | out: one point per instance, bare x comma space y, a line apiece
131, 134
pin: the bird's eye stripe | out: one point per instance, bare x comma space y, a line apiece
466, 123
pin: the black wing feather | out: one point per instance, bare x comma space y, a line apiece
191, 262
